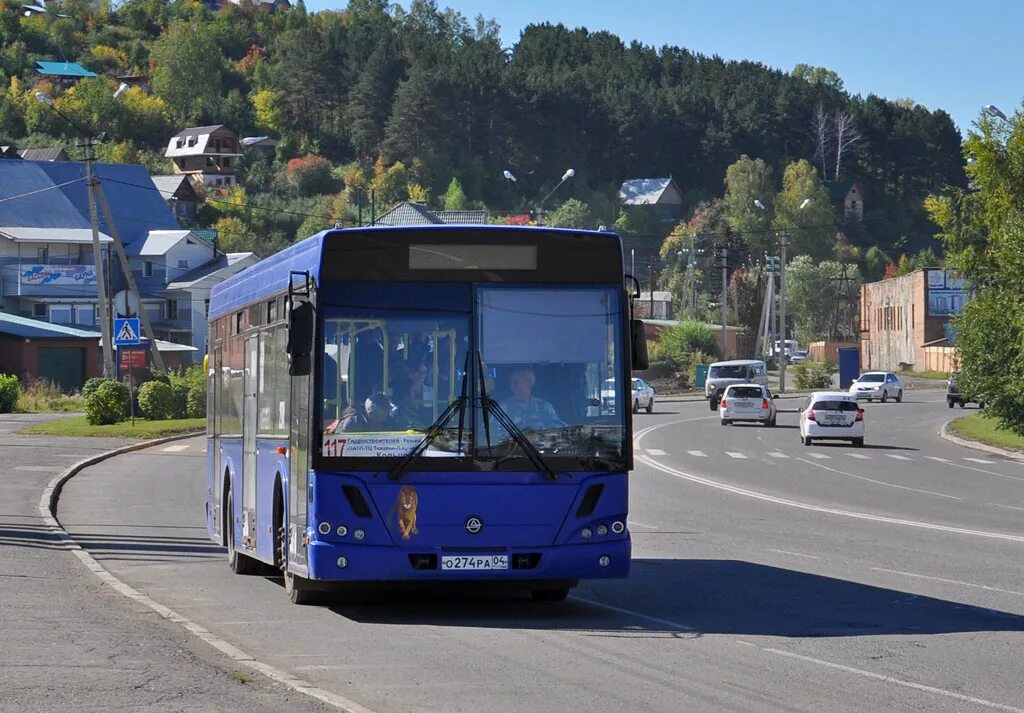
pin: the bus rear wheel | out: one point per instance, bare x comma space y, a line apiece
239, 563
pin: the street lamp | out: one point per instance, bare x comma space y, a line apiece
569, 173
993, 111
91, 184
508, 176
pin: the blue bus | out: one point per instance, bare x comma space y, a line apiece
424, 404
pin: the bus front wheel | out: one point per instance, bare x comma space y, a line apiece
239, 563
299, 590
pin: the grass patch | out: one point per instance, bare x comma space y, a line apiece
42, 396
78, 426
983, 429
243, 678
937, 375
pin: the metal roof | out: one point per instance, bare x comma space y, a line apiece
158, 242
461, 217
52, 235
16, 326
169, 185
63, 69
643, 191
201, 135
51, 153
215, 271
251, 140
52, 194
418, 214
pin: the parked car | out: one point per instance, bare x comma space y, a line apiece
832, 415
881, 385
747, 402
642, 395
798, 357
954, 396
738, 371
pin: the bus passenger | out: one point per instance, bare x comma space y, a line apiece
375, 417
406, 414
525, 409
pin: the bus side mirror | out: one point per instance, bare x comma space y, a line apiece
639, 345
300, 339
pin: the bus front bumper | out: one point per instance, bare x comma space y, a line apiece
368, 563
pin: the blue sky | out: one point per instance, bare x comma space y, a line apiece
944, 54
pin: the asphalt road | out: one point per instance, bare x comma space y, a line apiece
767, 576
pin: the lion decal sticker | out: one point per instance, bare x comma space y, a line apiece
406, 506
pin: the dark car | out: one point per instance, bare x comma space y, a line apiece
954, 396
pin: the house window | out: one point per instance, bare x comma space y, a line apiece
227, 162
179, 143
60, 314
238, 323
206, 308
182, 264
191, 140
147, 269
42, 254
85, 315
172, 309
39, 310
271, 311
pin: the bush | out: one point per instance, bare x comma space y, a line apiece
156, 401
91, 384
179, 400
107, 403
196, 401
688, 337
814, 375
10, 391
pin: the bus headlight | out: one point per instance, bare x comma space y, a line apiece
586, 533
602, 529
359, 533
324, 528
618, 527
604, 560
342, 562
342, 530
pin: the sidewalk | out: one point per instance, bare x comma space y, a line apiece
67, 641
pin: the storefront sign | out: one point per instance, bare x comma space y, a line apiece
58, 275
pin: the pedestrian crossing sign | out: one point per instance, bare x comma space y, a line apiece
126, 331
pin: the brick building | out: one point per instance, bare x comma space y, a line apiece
901, 316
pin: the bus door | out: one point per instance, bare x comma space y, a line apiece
214, 406
250, 422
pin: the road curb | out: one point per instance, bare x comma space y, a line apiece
48, 510
944, 432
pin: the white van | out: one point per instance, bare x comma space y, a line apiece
738, 371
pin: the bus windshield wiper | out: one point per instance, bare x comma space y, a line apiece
436, 429
491, 407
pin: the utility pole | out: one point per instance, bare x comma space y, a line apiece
97, 257
650, 314
723, 255
783, 244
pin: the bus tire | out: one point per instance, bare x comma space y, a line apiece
299, 591
238, 562
557, 594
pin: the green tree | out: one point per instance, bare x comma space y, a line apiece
804, 210
876, 262
746, 181
571, 214
813, 296
454, 197
187, 68
983, 231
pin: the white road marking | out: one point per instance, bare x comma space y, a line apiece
698, 454
776, 454
949, 581
896, 457
738, 456
638, 615
940, 460
656, 452
175, 448
887, 679
794, 554
634, 523
859, 456
819, 456
1008, 507
882, 482
982, 470
981, 460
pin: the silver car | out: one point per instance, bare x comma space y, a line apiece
880, 385
747, 402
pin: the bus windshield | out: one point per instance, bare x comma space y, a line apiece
389, 371
546, 353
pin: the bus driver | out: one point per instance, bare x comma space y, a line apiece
525, 409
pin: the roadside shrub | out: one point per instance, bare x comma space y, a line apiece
161, 377
689, 337
814, 375
42, 395
107, 403
156, 401
91, 384
179, 400
196, 401
10, 391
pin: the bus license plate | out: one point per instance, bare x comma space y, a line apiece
470, 562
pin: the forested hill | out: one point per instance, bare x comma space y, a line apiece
373, 85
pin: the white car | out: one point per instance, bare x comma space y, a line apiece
832, 415
642, 395
881, 385
798, 357
747, 402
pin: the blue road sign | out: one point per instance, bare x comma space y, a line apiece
126, 331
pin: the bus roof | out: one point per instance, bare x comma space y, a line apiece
270, 276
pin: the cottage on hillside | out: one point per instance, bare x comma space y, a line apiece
208, 155
661, 193
848, 198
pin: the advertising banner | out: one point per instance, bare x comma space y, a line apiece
947, 293
78, 275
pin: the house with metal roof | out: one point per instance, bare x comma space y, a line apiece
66, 74
179, 195
663, 193
260, 145
417, 214
206, 154
33, 349
50, 153
848, 199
